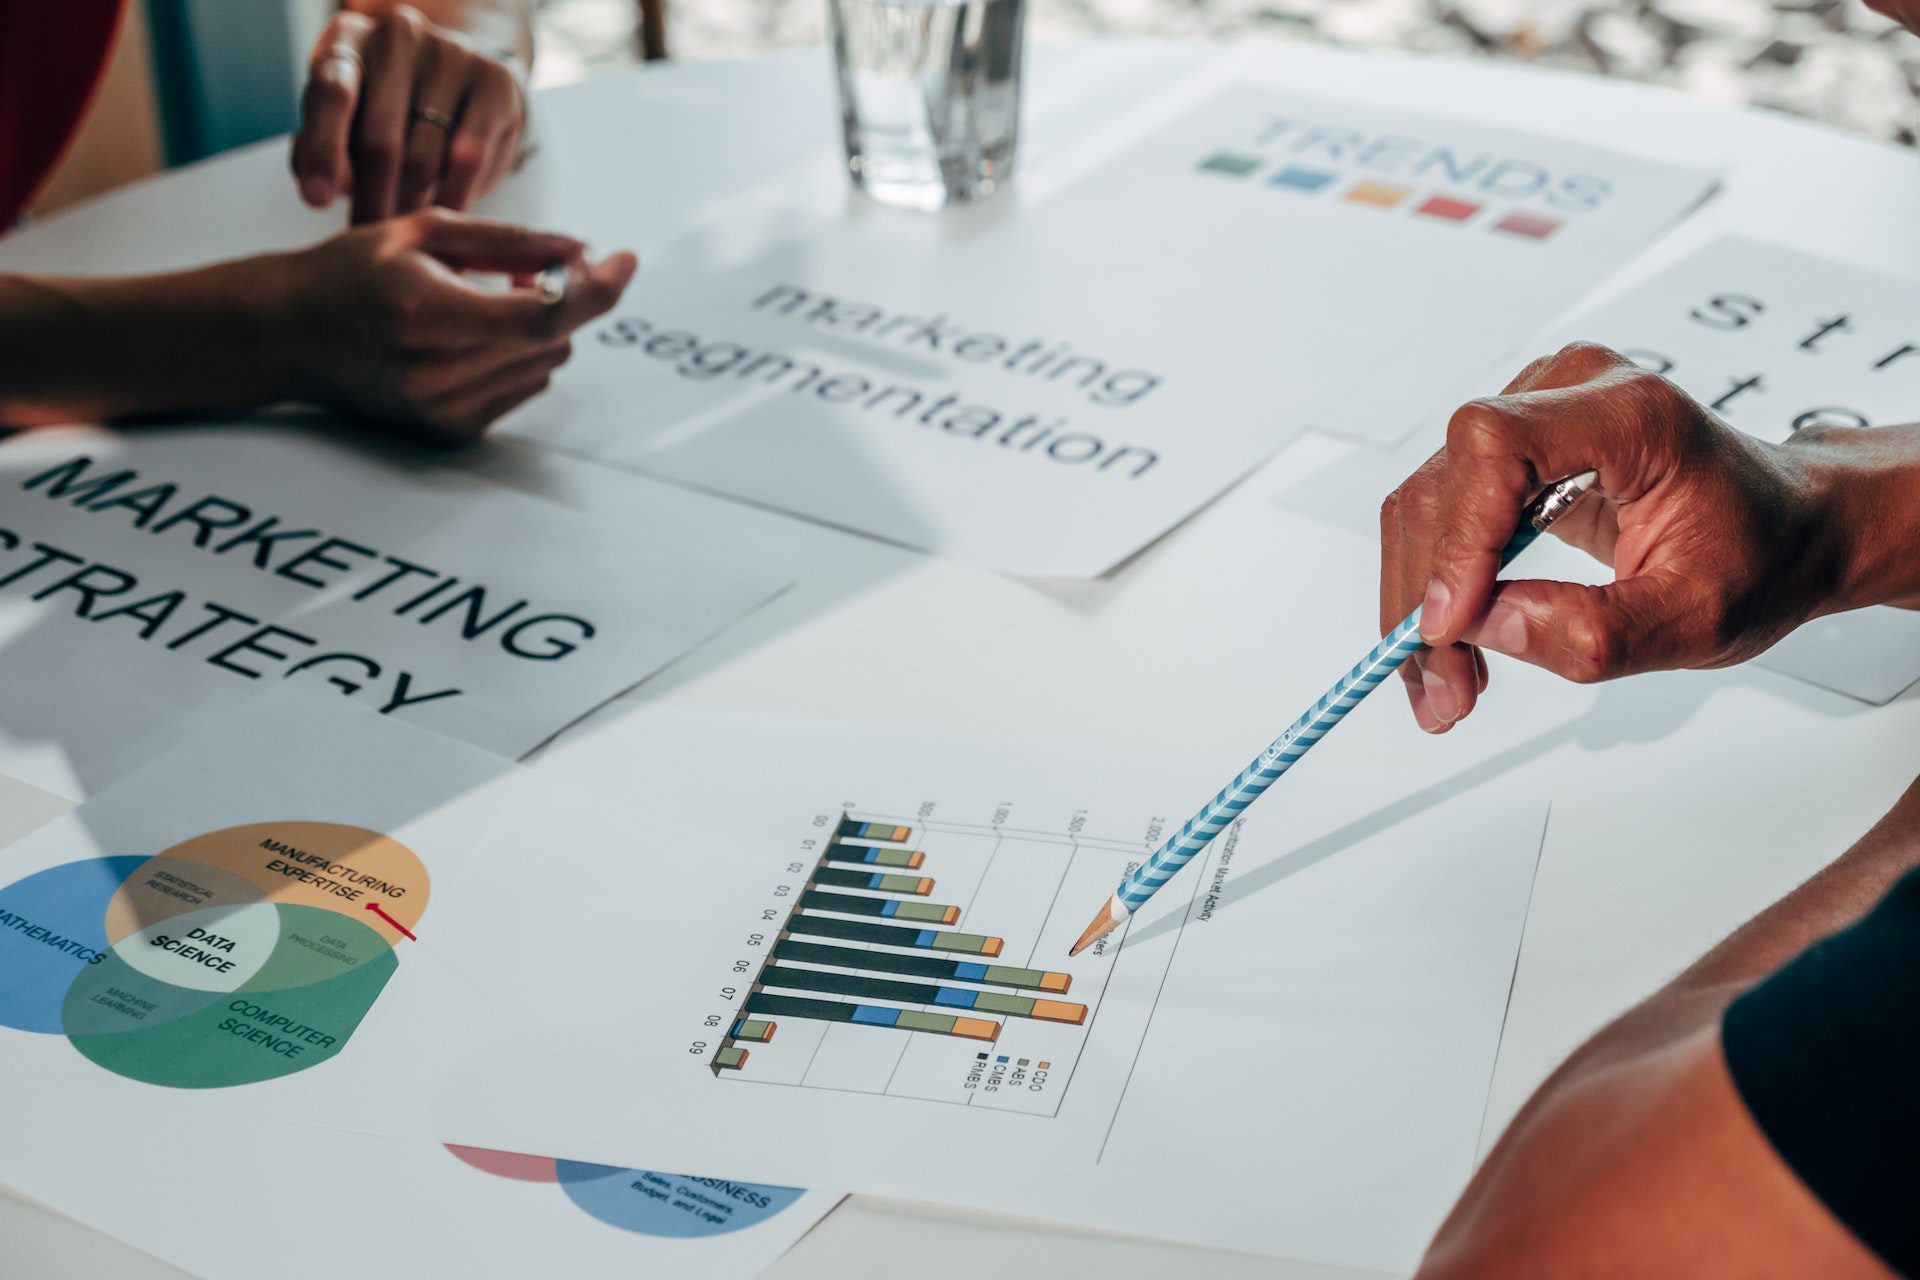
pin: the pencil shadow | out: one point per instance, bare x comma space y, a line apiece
1626, 713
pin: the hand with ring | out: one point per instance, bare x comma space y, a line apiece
401, 113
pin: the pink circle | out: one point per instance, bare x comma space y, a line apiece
505, 1164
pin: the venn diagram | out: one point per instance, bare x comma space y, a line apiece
241, 955
253, 952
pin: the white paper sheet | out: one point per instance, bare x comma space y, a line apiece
146, 573
1045, 385
1015, 400
1288, 1051
1773, 339
151, 1057
1436, 244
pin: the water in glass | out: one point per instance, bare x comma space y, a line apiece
929, 95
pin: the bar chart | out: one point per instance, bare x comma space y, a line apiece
924, 960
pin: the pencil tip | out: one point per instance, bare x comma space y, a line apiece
1102, 925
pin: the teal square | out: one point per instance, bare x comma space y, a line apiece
1231, 163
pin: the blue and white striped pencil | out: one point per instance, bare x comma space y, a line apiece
1394, 648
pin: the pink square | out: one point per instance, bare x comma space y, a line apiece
1528, 224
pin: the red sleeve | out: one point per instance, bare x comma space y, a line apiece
53, 54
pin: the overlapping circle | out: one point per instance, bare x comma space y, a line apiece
639, 1200
241, 955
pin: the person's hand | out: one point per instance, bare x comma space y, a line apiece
401, 114
1720, 544
1904, 12
381, 323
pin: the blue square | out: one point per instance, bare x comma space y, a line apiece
1001, 1058
1302, 179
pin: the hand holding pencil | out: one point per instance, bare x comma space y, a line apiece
1394, 648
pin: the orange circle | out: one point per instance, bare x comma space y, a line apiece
316, 864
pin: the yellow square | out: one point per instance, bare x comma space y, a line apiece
1376, 193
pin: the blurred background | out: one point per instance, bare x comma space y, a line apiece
192, 77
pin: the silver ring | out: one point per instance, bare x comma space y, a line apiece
343, 53
437, 118
551, 285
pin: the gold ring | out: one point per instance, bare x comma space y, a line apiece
438, 119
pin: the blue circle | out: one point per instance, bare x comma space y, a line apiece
53, 924
666, 1204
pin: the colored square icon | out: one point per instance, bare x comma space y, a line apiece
1001, 1058
1378, 194
1449, 208
1298, 179
1531, 225
1045, 1065
1231, 163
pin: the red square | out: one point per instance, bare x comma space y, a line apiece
1449, 208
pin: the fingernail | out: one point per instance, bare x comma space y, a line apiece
1504, 630
1423, 709
1437, 610
1440, 696
317, 192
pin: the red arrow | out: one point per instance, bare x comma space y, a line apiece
376, 909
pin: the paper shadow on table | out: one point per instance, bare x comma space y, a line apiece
811, 378
1628, 712
83, 699
108, 694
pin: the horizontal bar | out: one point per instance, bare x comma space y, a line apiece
946, 1024
891, 908
1028, 1007
875, 831
817, 901
875, 855
879, 881
873, 1016
888, 935
848, 984
921, 966
978, 944
931, 912
752, 1029
858, 986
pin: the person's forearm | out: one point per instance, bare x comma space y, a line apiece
1686, 1010
497, 26
1838, 895
77, 349
1868, 483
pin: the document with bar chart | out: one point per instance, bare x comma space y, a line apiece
889, 932
816, 955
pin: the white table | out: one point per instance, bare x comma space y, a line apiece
1681, 803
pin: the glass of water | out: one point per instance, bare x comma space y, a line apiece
929, 95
